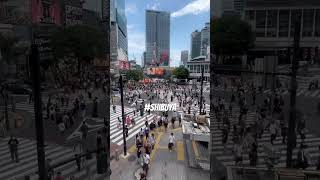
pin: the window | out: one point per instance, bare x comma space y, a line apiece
260, 23
284, 23
317, 23
307, 28
295, 17
272, 23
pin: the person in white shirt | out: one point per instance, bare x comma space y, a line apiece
171, 142
146, 161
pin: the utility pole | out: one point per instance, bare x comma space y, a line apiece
292, 121
201, 89
35, 69
123, 118
6, 96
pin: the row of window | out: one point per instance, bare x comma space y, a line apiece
275, 23
197, 68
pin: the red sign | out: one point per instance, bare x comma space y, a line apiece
46, 12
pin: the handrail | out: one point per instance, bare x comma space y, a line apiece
276, 171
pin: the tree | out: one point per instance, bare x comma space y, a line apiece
181, 72
8, 48
134, 75
82, 42
231, 36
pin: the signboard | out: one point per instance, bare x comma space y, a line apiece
73, 15
156, 71
46, 12
41, 37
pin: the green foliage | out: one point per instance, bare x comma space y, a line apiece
181, 72
231, 36
8, 47
82, 42
134, 75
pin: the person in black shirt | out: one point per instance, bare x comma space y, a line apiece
13, 147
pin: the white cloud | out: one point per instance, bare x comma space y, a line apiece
196, 7
154, 6
131, 8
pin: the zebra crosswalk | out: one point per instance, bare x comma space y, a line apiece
300, 92
116, 132
27, 165
225, 156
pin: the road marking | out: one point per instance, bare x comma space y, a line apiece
195, 149
180, 151
156, 146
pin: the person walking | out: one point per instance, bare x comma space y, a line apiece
59, 176
318, 161
146, 161
171, 142
13, 147
84, 130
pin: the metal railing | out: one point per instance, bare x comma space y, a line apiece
255, 173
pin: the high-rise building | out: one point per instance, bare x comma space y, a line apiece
205, 39
195, 44
157, 38
119, 39
184, 57
227, 7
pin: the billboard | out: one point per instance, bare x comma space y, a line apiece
46, 12
73, 15
156, 71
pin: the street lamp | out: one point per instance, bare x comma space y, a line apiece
201, 90
5, 95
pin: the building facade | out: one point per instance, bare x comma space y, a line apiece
195, 50
273, 23
184, 57
195, 66
228, 7
205, 39
118, 38
157, 38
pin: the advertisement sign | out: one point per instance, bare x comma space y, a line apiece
41, 36
156, 71
73, 15
46, 12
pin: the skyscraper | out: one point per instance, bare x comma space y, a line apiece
195, 44
205, 39
157, 38
119, 39
184, 57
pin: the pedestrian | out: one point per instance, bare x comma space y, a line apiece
84, 130
253, 154
61, 127
59, 176
273, 131
171, 142
318, 161
152, 140
238, 154
78, 161
172, 122
49, 169
13, 147
146, 161
99, 141
302, 158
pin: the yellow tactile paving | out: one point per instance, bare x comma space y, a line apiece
156, 146
180, 151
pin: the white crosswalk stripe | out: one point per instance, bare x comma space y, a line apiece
225, 156
28, 165
300, 92
116, 133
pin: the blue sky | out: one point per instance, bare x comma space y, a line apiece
186, 17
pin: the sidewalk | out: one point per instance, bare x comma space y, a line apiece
164, 164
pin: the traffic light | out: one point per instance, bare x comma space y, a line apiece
102, 163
